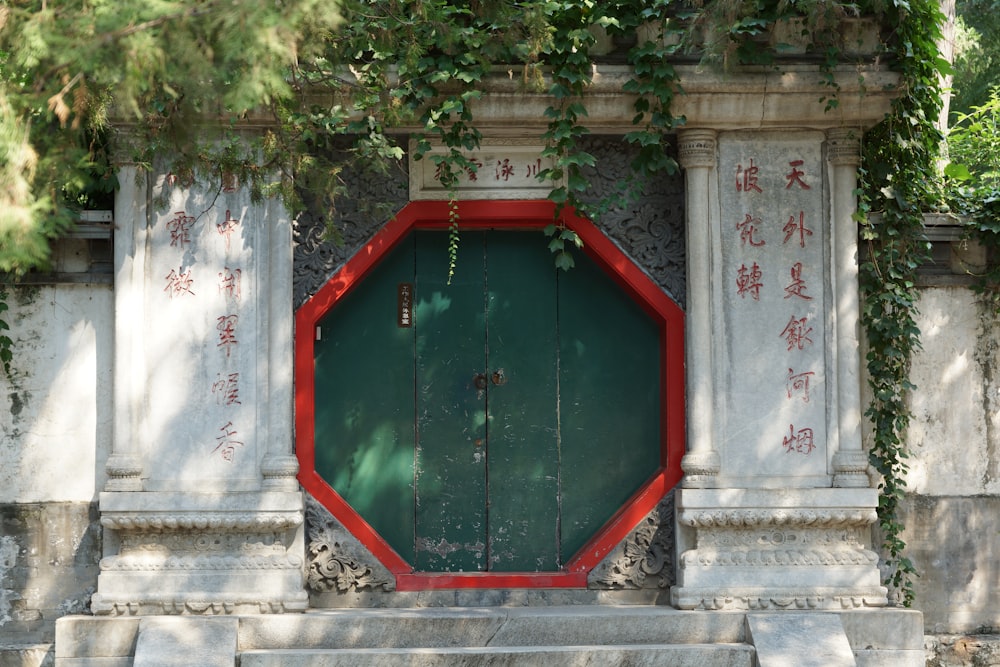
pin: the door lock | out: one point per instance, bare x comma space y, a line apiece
499, 377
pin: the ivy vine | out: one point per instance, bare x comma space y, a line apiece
899, 180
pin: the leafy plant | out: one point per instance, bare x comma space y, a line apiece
974, 181
899, 180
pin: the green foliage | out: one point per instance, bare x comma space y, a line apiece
165, 65
974, 182
977, 54
898, 179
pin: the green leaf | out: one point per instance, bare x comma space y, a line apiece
565, 261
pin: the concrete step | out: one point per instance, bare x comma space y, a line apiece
492, 627
634, 655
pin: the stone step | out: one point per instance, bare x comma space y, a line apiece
26, 655
634, 655
493, 627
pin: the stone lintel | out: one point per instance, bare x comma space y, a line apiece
788, 97
828, 499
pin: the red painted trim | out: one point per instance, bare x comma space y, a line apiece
479, 580
497, 215
354, 523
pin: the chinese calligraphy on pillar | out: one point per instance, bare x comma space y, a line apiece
774, 266
199, 256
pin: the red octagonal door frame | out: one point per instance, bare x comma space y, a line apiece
496, 215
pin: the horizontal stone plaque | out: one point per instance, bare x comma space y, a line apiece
504, 169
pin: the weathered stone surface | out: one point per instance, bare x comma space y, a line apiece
49, 555
55, 405
941, 533
85, 637
954, 435
26, 655
974, 650
635, 656
799, 640
182, 642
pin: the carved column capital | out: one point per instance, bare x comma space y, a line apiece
843, 146
279, 473
850, 468
124, 473
696, 148
698, 466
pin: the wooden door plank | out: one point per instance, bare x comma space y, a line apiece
364, 430
609, 400
522, 426
450, 323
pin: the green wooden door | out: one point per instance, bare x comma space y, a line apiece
505, 426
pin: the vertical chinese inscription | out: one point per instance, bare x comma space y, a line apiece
200, 252
226, 388
774, 264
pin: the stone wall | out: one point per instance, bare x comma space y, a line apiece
55, 429
952, 512
55, 434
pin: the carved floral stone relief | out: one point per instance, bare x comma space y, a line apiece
644, 559
336, 560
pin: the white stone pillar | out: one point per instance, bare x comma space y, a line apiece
697, 153
280, 466
850, 462
124, 466
768, 531
202, 512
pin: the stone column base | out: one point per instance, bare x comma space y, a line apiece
225, 553
777, 549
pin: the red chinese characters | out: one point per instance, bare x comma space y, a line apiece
797, 287
800, 441
179, 282
229, 283
748, 281
226, 389
748, 228
227, 226
797, 228
227, 442
766, 190
180, 229
746, 178
796, 333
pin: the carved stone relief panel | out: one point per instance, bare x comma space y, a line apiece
644, 559
336, 560
367, 201
649, 227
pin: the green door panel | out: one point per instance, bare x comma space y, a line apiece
609, 356
522, 399
364, 402
505, 426
450, 321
